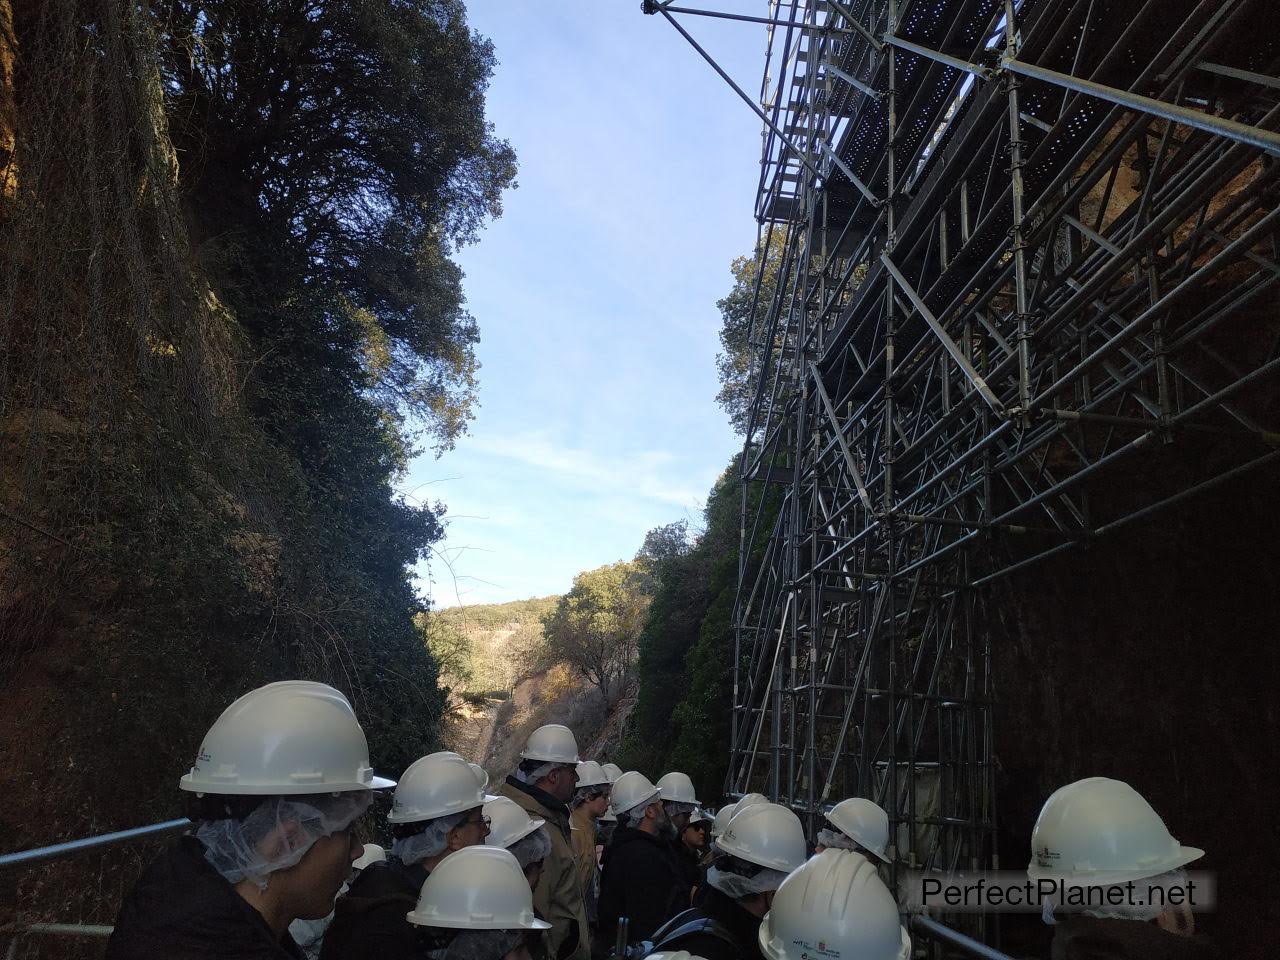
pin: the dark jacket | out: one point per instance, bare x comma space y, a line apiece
559, 896
692, 873
641, 881
182, 909
1095, 938
369, 922
740, 925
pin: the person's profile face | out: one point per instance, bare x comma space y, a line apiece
321, 872
472, 831
695, 835
563, 781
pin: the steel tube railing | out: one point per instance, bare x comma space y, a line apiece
934, 930
71, 848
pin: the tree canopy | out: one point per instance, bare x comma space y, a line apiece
337, 153
596, 625
742, 328
685, 658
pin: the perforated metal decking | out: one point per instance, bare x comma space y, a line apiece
1028, 252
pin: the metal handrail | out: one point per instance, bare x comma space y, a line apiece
71, 848
940, 931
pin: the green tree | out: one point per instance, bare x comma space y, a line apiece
742, 328
335, 153
450, 647
685, 665
596, 625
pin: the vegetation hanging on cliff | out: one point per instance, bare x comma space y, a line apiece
230, 311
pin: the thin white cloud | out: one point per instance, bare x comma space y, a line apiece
646, 473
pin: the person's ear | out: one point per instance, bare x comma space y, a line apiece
281, 841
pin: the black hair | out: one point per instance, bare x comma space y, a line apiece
727, 863
205, 807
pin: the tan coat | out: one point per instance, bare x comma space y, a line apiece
558, 897
584, 849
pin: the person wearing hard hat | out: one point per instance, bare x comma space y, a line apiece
612, 771
856, 824
762, 845
721, 823
526, 837
590, 801
641, 879
309, 934
543, 784
1101, 833
696, 844
679, 801
835, 907
605, 827
476, 906
273, 795
438, 809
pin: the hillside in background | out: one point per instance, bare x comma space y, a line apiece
505, 678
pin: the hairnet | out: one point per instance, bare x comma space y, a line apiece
478, 945
233, 847
431, 840
736, 886
1144, 889
838, 841
534, 774
532, 848
582, 794
1124, 910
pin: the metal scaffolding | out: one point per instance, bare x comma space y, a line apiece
1023, 250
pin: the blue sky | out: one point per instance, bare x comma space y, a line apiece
595, 293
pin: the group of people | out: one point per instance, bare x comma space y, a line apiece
568, 859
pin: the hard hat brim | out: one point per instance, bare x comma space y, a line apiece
520, 834
419, 920
1112, 877
230, 789
543, 758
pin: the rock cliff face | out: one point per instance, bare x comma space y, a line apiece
1151, 657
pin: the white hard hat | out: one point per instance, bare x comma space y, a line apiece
552, 743
291, 737
674, 955
508, 822
482, 777
631, 790
477, 888
723, 816
749, 799
699, 816
864, 822
676, 786
372, 854
835, 907
435, 787
767, 834
613, 770
1101, 832
591, 774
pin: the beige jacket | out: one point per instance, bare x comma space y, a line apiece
558, 897
584, 849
